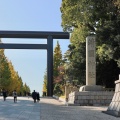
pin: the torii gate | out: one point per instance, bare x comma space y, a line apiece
49, 47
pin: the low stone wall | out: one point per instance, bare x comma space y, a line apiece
70, 89
91, 97
62, 99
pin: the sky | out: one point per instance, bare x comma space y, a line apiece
31, 15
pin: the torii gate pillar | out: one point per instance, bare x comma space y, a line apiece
50, 66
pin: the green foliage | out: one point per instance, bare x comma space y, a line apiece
92, 17
57, 90
45, 83
4, 71
109, 72
57, 59
9, 78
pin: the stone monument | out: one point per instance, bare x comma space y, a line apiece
91, 94
90, 66
114, 107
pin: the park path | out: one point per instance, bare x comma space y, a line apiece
24, 109
49, 109
52, 109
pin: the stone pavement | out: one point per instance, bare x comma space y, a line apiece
24, 109
49, 109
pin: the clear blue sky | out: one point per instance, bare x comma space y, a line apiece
31, 15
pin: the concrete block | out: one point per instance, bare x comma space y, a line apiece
81, 101
96, 97
79, 97
110, 97
98, 101
75, 93
107, 101
103, 97
76, 97
117, 87
112, 105
105, 93
117, 97
92, 93
114, 97
92, 97
83, 97
118, 107
91, 88
110, 93
115, 106
90, 101
84, 93
94, 101
85, 101
87, 97
100, 97
102, 101
76, 101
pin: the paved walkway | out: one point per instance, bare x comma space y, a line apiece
49, 109
53, 110
24, 109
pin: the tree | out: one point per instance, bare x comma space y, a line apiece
14, 84
9, 78
4, 70
26, 89
93, 17
57, 61
45, 84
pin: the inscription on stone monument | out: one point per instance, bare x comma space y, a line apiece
90, 61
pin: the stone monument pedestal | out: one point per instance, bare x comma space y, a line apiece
91, 88
114, 107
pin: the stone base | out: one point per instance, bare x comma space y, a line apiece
113, 113
91, 88
91, 98
114, 107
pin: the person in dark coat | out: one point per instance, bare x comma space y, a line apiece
38, 96
34, 96
4, 95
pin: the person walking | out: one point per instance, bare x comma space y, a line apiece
15, 96
34, 96
4, 95
38, 97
